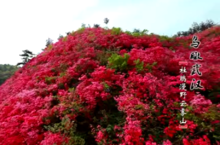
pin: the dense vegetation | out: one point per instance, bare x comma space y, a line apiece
195, 28
105, 86
6, 71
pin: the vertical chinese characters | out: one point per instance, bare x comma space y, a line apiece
195, 84
183, 93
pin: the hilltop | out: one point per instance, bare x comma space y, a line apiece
98, 86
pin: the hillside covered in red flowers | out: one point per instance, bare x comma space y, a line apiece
108, 87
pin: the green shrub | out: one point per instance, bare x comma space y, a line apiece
139, 65
119, 63
116, 31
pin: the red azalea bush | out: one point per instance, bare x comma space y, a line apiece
98, 86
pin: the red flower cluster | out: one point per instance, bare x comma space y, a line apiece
136, 106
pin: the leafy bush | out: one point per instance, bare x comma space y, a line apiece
118, 62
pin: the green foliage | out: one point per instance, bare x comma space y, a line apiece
144, 32
6, 71
50, 80
149, 67
116, 31
139, 65
139, 33
102, 56
62, 74
204, 121
67, 128
62, 68
212, 114
164, 38
71, 89
64, 39
60, 127
119, 63
105, 85
50, 46
81, 30
108, 116
76, 140
139, 107
128, 32
61, 86
176, 104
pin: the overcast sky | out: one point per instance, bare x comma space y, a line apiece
26, 24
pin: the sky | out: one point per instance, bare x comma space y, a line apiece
27, 24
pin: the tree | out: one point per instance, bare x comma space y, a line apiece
210, 23
106, 20
83, 25
195, 28
26, 56
96, 26
60, 37
49, 41
136, 31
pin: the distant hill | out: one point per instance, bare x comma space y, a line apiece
6, 71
